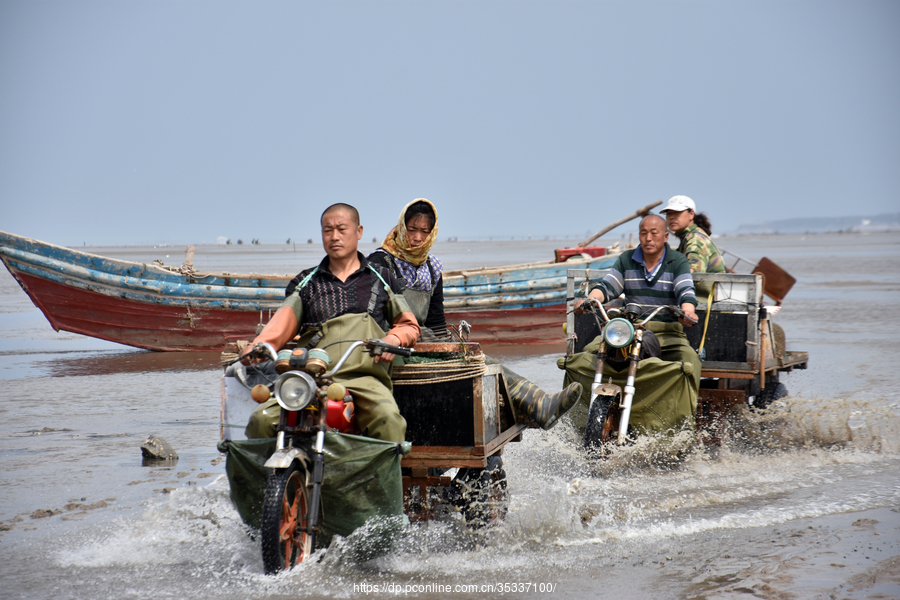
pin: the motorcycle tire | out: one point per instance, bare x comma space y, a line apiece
285, 541
598, 413
482, 494
769, 394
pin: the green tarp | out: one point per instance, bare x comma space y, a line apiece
362, 487
666, 388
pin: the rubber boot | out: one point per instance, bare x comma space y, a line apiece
543, 409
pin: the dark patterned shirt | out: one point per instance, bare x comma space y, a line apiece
325, 296
436, 321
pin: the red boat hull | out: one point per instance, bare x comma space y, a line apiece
143, 325
168, 328
541, 325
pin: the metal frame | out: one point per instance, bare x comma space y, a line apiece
492, 409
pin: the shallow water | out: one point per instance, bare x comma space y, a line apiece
802, 502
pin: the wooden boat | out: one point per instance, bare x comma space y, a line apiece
156, 307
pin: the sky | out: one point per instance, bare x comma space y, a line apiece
182, 122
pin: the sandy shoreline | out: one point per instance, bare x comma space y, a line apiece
850, 555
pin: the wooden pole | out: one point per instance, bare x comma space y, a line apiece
763, 342
638, 213
188, 258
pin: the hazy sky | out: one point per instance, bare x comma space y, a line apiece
179, 122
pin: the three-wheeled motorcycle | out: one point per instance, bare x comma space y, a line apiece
318, 478
741, 351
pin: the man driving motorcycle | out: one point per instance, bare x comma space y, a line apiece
343, 299
667, 382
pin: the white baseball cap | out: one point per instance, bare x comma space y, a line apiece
679, 203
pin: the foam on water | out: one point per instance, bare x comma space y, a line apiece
186, 527
802, 458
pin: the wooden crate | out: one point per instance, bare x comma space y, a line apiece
457, 423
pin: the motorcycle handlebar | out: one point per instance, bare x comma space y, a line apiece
377, 347
592, 305
261, 350
680, 314
687, 318
672, 309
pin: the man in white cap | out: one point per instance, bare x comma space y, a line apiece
693, 231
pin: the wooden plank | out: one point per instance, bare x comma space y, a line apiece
478, 401
448, 462
504, 437
74, 274
10, 242
719, 374
447, 457
513, 273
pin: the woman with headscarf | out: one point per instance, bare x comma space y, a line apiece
406, 252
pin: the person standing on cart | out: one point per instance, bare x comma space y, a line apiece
693, 230
344, 298
668, 377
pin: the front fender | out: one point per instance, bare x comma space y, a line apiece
283, 458
606, 389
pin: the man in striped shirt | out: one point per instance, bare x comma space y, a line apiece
668, 376
651, 275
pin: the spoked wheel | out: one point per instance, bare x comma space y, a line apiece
602, 424
285, 541
482, 494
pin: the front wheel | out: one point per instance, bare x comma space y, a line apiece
285, 540
600, 425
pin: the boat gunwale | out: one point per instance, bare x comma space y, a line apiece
128, 268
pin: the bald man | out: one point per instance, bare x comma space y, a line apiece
668, 377
344, 299
652, 274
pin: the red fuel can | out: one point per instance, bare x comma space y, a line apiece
340, 416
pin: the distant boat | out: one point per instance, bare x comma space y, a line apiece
157, 307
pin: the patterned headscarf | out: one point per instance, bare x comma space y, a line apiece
397, 243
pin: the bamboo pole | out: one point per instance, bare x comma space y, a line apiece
638, 213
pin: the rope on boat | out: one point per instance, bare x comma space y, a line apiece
439, 371
186, 270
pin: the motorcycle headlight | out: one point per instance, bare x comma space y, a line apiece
294, 390
618, 333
